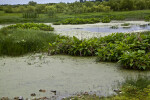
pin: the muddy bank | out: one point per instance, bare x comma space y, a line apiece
21, 76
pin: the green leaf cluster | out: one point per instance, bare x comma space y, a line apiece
74, 46
131, 50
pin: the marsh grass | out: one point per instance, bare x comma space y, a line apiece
117, 15
140, 82
16, 42
125, 24
131, 89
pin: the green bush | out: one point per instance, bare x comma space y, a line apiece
30, 26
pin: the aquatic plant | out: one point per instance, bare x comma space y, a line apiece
15, 42
57, 23
130, 50
125, 24
119, 17
34, 26
80, 21
135, 59
106, 19
131, 89
147, 18
74, 46
114, 27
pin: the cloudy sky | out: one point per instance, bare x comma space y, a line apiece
38, 1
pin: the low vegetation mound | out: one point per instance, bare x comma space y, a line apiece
34, 26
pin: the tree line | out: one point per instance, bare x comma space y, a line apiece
77, 7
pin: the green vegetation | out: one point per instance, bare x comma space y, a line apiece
147, 18
74, 46
57, 23
132, 89
16, 42
115, 9
130, 50
30, 26
114, 27
44, 18
30, 15
125, 24
81, 21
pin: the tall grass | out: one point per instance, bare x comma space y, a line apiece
132, 89
15, 42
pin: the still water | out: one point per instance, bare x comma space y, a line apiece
21, 76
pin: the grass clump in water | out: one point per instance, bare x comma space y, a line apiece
125, 24
31, 26
16, 42
114, 27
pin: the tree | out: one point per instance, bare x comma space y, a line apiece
81, 0
40, 8
99, 0
32, 3
127, 4
50, 10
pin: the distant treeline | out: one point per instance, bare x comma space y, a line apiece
77, 8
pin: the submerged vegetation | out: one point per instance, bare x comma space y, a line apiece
130, 50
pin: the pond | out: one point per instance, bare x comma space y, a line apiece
119, 29
21, 76
67, 75
101, 29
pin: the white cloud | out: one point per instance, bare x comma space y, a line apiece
38, 1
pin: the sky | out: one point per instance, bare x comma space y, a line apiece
38, 1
